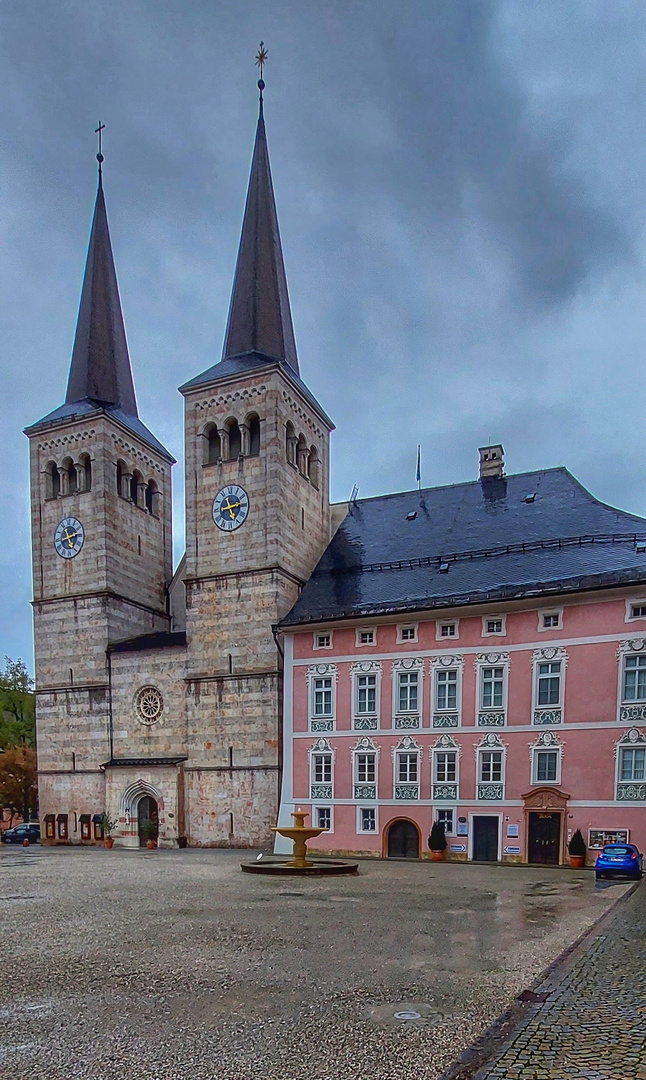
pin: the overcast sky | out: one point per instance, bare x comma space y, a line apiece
460, 187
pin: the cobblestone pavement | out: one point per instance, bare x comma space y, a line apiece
173, 965
592, 1026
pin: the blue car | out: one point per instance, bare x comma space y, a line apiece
622, 859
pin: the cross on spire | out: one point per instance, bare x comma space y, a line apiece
99, 157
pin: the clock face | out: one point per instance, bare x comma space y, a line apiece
69, 537
230, 507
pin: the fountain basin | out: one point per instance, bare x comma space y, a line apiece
316, 867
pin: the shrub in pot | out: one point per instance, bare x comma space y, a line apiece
437, 842
150, 832
108, 825
577, 850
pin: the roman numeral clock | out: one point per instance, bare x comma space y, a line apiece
230, 507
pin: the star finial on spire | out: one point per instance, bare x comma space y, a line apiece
261, 60
99, 157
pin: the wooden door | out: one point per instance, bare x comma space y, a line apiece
485, 838
544, 838
403, 841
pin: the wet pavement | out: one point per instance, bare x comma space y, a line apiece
592, 1023
167, 964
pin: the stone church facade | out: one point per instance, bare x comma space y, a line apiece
159, 695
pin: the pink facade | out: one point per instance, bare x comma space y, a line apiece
516, 725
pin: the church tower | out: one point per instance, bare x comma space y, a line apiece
257, 521
101, 540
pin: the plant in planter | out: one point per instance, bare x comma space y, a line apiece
108, 825
150, 832
577, 850
437, 842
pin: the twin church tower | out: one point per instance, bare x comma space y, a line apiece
159, 694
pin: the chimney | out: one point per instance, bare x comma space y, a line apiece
492, 461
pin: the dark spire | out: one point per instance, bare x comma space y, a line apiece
260, 319
100, 368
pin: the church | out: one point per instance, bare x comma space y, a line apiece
383, 663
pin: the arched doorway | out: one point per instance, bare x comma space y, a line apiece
402, 840
147, 812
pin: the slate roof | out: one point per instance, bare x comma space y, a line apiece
469, 543
84, 408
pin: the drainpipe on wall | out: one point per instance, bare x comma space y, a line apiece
276, 632
110, 721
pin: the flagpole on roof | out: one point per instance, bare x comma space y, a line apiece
419, 467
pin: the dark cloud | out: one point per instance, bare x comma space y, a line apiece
459, 187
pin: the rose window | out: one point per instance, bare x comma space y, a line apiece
149, 704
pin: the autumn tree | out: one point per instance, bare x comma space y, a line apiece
16, 705
18, 787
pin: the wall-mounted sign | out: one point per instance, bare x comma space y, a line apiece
463, 828
512, 851
512, 830
457, 847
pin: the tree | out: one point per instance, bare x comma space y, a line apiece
18, 787
17, 726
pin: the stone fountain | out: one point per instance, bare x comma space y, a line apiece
299, 864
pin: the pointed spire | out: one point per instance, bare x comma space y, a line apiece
260, 319
100, 368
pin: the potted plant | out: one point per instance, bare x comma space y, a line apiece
149, 830
437, 842
108, 825
577, 850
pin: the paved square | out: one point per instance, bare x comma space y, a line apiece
171, 964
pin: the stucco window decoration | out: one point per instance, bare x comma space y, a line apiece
549, 686
446, 674
630, 752
632, 680
492, 673
445, 769
321, 766
546, 756
407, 692
407, 757
366, 677
490, 758
149, 705
365, 755
321, 680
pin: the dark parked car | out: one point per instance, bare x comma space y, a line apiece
623, 859
30, 831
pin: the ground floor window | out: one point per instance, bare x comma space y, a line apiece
445, 818
323, 817
367, 819
598, 838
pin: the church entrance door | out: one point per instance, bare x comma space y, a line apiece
147, 811
403, 840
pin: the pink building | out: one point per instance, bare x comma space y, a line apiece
474, 654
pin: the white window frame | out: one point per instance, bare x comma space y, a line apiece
444, 753
452, 810
491, 743
407, 719
408, 640
623, 750
330, 811
632, 739
365, 630
322, 633
546, 742
360, 829
445, 744
558, 611
321, 746
407, 745
548, 715
443, 718
634, 710
635, 601
494, 633
488, 715
439, 623
483, 751
321, 721
365, 721
362, 747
